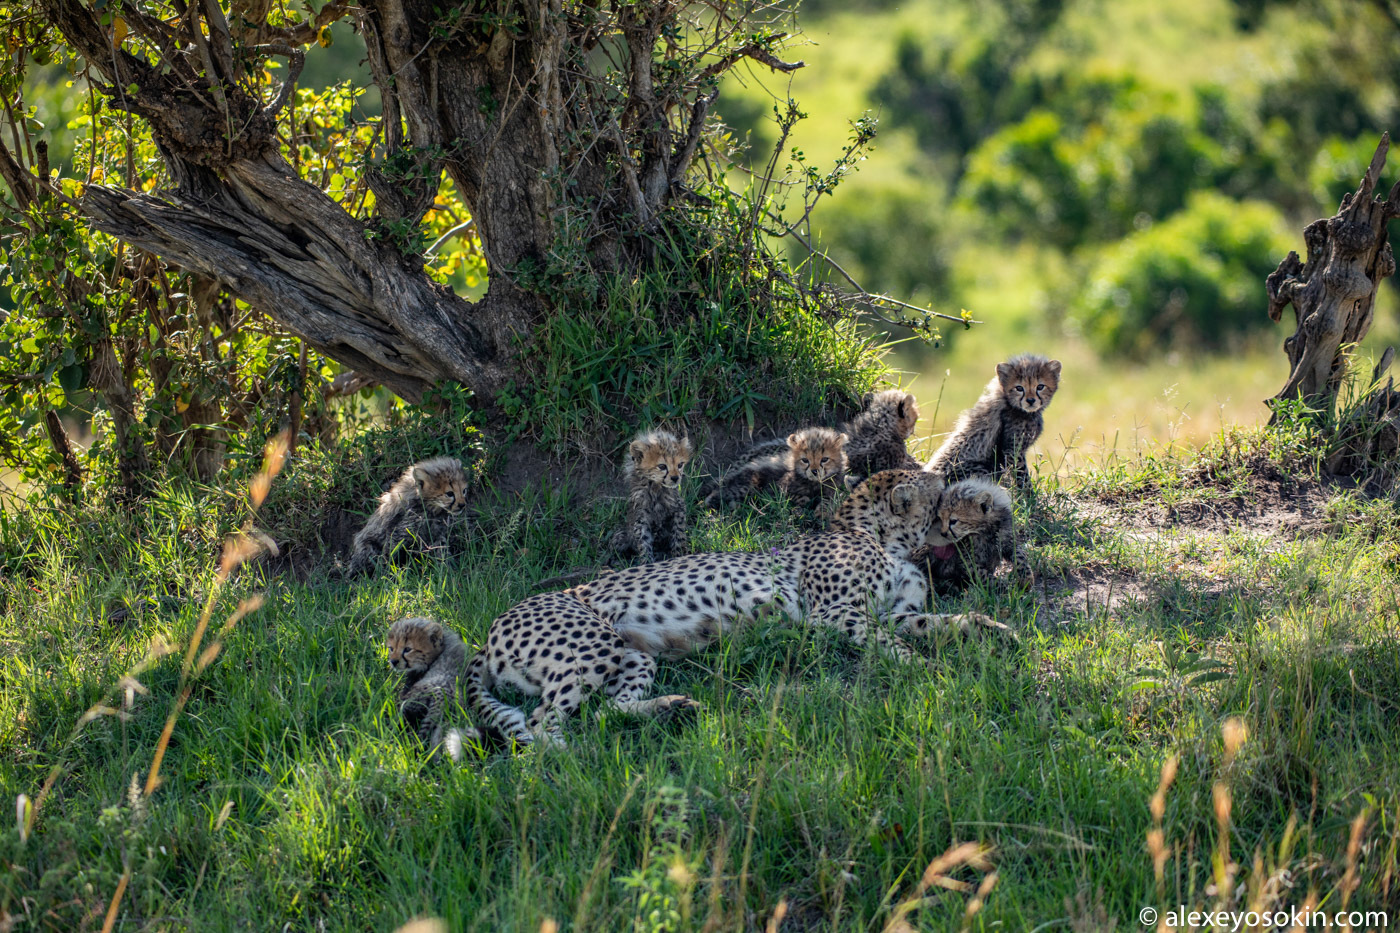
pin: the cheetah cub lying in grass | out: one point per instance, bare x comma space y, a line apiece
656, 521
994, 435
607, 632
809, 470
431, 658
878, 434
416, 514
974, 531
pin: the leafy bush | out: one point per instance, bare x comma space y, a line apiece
1103, 157
1196, 279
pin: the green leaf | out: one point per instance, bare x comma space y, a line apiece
1207, 678
1146, 684
73, 377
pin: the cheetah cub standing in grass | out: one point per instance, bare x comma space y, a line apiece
994, 435
877, 435
974, 530
431, 658
656, 523
809, 471
416, 513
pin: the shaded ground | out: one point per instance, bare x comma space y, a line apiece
1186, 530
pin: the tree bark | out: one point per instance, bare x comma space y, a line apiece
1333, 294
1368, 438
563, 129
72, 470
284, 247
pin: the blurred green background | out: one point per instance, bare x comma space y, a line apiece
1104, 181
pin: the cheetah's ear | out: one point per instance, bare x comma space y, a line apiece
1054, 367
437, 638
637, 450
902, 498
792, 439
984, 499
866, 399
686, 450
1003, 371
843, 439
420, 476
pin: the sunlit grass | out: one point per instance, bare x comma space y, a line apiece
818, 781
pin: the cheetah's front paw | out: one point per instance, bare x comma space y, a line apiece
978, 624
669, 707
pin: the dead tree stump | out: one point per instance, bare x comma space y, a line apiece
1334, 293
1368, 436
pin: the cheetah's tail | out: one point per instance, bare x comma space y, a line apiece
490, 712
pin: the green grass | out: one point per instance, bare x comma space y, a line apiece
817, 775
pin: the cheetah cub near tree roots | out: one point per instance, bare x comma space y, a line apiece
994, 435
974, 530
809, 471
431, 658
656, 522
417, 512
878, 433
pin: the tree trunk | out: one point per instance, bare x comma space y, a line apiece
564, 129
1334, 293
1368, 438
284, 247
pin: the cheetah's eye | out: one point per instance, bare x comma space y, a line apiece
826, 459
1040, 388
1021, 389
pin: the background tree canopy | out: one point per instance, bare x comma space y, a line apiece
1108, 175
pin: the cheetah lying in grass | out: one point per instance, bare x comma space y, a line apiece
561, 646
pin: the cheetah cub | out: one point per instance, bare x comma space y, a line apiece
431, 658
809, 471
973, 531
878, 433
656, 522
416, 513
994, 435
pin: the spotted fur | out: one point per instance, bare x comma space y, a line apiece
556, 647
416, 514
809, 470
656, 520
608, 632
431, 658
878, 434
994, 435
839, 580
974, 531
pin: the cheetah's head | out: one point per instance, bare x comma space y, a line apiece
1029, 381
895, 506
895, 407
818, 454
658, 457
442, 484
965, 508
414, 644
